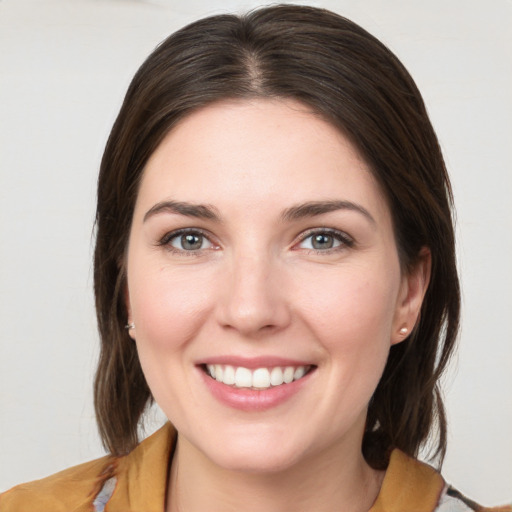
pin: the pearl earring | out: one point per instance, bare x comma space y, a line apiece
130, 326
404, 330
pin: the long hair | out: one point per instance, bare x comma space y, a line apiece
354, 82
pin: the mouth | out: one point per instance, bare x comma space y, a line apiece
259, 379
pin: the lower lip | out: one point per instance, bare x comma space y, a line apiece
246, 399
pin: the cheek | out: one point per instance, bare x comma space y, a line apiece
352, 319
167, 307
168, 310
352, 304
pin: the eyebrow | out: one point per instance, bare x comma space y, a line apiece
200, 211
300, 211
314, 208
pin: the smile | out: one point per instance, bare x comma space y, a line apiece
259, 378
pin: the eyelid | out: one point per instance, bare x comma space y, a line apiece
165, 240
345, 239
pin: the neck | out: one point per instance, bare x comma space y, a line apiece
324, 485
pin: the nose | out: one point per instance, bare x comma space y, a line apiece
253, 301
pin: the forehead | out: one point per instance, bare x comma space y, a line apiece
257, 152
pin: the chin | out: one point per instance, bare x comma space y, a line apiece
251, 454
257, 462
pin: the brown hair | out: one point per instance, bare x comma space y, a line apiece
351, 79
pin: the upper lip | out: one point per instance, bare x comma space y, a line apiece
253, 363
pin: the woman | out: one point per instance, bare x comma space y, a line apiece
275, 267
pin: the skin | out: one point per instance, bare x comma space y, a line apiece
257, 287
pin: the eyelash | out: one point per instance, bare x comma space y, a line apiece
345, 240
165, 241
339, 236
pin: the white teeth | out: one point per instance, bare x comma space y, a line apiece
229, 375
299, 373
276, 376
288, 374
260, 378
243, 378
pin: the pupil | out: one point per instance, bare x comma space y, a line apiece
191, 242
322, 241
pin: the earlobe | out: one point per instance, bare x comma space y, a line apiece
414, 286
130, 326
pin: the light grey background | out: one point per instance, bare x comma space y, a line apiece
64, 68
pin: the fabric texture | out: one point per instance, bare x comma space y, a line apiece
137, 483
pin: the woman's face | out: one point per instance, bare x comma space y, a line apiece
264, 284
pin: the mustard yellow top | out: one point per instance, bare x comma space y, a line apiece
137, 483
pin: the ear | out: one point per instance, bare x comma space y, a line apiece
130, 326
412, 291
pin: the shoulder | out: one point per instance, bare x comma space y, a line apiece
411, 485
136, 481
453, 501
70, 490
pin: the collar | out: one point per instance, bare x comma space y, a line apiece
408, 485
142, 474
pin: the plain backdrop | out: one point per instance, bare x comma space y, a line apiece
64, 68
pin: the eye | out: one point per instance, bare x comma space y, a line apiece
324, 240
186, 241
